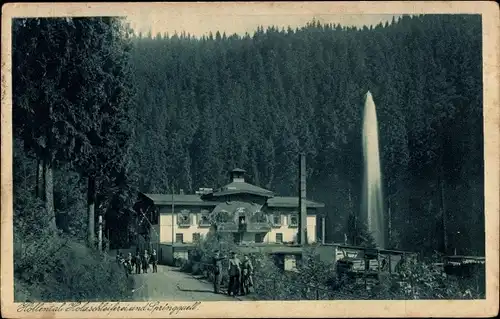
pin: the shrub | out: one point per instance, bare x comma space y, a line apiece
417, 280
317, 280
52, 266
64, 270
69, 271
185, 265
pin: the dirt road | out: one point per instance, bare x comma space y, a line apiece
169, 284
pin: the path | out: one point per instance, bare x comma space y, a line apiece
169, 284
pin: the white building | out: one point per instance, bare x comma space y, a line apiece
252, 214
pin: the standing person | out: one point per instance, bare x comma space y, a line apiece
138, 263
128, 264
246, 275
118, 256
154, 261
234, 275
145, 262
217, 269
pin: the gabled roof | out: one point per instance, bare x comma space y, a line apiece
284, 201
241, 187
184, 200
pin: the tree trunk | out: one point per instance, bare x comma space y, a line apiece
443, 214
100, 232
39, 187
48, 192
91, 210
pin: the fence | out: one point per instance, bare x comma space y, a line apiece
272, 288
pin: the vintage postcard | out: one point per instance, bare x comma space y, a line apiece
250, 159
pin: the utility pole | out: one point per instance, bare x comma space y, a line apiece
173, 209
302, 231
323, 233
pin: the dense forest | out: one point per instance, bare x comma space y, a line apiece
207, 105
100, 114
73, 98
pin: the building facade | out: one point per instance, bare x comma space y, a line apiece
253, 215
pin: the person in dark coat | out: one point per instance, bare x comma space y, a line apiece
137, 263
119, 257
145, 262
246, 275
234, 275
154, 261
217, 269
128, 264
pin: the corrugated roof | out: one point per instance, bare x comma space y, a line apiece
242, 187
179, 199
285, 201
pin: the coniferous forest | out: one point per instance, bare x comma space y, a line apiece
205, 106
101, 113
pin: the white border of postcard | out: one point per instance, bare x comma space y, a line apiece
261, 309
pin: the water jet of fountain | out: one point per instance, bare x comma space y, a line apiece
372, 206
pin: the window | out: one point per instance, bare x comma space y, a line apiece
279, 238
204, 220
196, 237
259, 238
294, 220
242, 220
277, 220
184, 218
179, 238
258, 217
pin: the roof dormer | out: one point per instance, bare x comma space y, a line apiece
238, 175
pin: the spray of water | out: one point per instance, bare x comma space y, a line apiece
372, 206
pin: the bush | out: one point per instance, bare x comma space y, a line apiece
185, 265
69, 271
317, 280
53, 266
417, 280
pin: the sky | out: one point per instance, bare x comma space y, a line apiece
240, 18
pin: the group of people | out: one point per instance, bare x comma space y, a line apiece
240, 274
139, 261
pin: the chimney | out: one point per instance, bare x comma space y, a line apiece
302, 231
